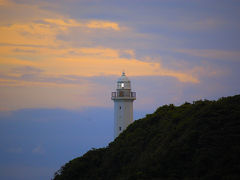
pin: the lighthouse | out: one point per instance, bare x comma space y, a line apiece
123, 105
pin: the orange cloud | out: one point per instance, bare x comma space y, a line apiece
96, 24
29, 34
45, 32
100, 52
88, 62
4, 2
14, 62
63, 22
93, 24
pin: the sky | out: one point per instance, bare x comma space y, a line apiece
60, 60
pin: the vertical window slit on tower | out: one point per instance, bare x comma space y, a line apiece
120, 107
120, 128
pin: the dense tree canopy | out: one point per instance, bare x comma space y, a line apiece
192, 141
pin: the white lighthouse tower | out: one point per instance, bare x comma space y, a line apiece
123, 105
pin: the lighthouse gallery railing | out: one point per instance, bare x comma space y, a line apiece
123, 94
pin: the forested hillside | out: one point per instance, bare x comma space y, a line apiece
191, 141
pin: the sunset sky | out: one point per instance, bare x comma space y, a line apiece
60, 59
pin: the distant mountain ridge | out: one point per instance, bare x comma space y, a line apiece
191, 142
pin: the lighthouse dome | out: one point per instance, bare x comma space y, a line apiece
123, 82
123, 78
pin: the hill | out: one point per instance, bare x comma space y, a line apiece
190, 142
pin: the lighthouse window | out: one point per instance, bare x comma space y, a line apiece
122, 85
120, 128
120, 107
